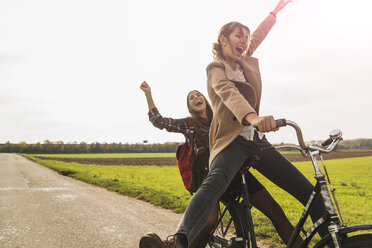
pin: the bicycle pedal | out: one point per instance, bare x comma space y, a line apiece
236, 242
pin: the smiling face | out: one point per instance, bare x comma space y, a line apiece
197, 102
235, 44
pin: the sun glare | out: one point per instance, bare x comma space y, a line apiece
345, 14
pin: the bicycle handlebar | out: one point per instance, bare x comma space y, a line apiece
334, 137
327, 142
281, 123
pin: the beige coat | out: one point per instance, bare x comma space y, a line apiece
232, 99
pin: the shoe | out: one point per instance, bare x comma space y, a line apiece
152, 240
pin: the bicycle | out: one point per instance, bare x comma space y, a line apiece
230, 232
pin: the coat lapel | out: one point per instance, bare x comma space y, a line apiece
246, 89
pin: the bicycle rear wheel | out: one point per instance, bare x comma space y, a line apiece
357, 241
229, 229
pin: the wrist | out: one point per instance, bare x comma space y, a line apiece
273, 13
250, 117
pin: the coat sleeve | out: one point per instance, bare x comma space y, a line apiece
169, 124
228, 92
260, 33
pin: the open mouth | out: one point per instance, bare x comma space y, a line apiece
240, 50
198, 103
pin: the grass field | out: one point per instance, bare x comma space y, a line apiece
162, 186
111, 155
170, 158
124, 155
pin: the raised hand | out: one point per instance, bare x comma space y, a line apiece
145, 87
281, 4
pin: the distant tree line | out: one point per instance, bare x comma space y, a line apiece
356, 144
48, 147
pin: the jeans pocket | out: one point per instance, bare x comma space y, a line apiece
263, 144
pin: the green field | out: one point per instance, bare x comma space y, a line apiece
111, 155
123, 155
162, 186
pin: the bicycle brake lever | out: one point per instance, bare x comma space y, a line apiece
334, 134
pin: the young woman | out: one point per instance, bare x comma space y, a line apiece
201, 117
234, 88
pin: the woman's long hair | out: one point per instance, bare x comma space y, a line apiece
202, 137
226, 30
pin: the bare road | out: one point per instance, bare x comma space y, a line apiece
40, 208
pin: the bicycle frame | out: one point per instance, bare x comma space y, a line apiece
330, 217
337, 230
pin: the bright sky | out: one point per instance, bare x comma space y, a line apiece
70, 70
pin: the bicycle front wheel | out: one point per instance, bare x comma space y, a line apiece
357, 241
229, 229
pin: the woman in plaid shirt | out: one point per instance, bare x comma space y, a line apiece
201, 116
183, 125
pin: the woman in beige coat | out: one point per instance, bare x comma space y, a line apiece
236, 132
234, 88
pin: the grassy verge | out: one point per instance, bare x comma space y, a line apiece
110, 155
161, 185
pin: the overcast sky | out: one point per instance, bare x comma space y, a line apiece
70, 70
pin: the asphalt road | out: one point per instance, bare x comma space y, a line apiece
40, 208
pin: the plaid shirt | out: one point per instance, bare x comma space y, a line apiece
174, 125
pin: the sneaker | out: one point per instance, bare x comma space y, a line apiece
152, 240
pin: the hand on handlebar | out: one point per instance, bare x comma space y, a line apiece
263, 123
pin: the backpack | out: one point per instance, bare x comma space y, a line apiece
193, 167
200, 169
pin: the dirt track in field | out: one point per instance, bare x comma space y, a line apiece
173, 161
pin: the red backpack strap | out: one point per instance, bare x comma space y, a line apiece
191, 136
186, 156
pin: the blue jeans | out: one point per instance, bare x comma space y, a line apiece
224, 168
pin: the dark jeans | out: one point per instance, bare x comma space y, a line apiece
227, 164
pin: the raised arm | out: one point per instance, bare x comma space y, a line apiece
169, 124
146, 88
